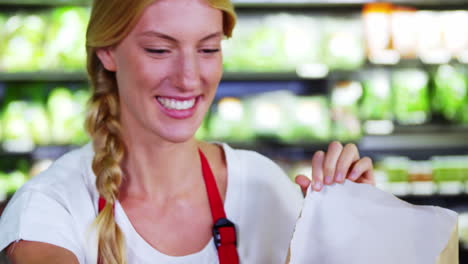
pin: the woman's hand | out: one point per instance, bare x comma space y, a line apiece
336, 165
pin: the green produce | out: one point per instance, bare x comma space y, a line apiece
311, 120
396, 168
15, 180
411, 96
3, 37
24, 37
344, 102
344, 44
265, 49
450, 92
202, 132
376, 103
79, 136
302, 40
233, 57
63, 114
280, 42
39, 124
1, 127
17, 134
229, 121
258, 46
65, 49
450, 168
270, 114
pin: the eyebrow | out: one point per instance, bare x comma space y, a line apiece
152, 33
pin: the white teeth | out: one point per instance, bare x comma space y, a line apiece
176, 104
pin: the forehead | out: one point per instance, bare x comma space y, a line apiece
180, 18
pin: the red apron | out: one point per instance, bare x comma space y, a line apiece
224, 231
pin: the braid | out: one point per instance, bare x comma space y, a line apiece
110, 22
103, 125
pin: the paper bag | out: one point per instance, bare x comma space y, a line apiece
354, 223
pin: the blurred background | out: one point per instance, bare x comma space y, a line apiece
390, 77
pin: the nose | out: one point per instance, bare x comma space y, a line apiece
187, 72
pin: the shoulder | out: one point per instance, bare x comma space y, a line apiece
65, 174
261, 176
254, 164
268, 203
52, 207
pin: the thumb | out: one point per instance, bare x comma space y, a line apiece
303, 182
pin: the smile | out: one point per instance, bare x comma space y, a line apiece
178, 108
174, 104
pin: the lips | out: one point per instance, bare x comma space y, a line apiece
174, 104
178, 107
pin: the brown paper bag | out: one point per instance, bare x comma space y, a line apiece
450, 254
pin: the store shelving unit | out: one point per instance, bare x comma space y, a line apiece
51, 3
410, 141
46, 76
405, 141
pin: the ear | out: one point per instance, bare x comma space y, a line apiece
106, 56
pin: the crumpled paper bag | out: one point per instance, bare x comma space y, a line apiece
358, 223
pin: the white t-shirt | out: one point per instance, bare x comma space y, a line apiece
59, 205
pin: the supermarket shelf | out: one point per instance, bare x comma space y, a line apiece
44, 77
353, 4
266, 3
45, 2
233, 83
457, 203
41, 152
266, 76
410, 141
82, 76
318, 73
413, 145
416, 144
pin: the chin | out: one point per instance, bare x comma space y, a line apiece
177, 135
179, 138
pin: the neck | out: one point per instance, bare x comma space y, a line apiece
159, 169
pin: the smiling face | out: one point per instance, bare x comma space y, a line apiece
168, 68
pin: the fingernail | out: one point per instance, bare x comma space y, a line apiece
339, 177
353, 176
317, 186
328, 180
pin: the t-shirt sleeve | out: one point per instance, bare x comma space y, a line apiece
34, 216
275, 203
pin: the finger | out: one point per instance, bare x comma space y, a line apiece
349, 155
334, 151
363, 168
304, 182
367, 178
317, 170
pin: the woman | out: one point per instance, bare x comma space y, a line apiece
140, 188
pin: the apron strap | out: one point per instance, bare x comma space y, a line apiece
224, 231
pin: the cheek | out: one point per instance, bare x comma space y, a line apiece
139, 73
213, 71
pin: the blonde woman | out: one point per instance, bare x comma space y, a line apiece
144, 190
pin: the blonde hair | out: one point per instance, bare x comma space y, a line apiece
110, 22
